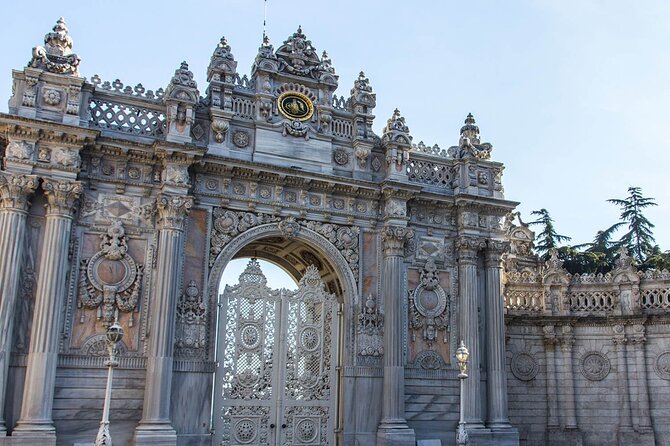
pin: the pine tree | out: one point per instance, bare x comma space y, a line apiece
548, 238
639, 239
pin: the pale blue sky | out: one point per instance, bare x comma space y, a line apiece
572, 94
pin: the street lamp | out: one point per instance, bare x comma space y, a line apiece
114, 336
462, 356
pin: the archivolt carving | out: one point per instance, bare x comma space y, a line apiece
228, 224
110, 280
429, 306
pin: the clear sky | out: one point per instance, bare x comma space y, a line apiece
572, 94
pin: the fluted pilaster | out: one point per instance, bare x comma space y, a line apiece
641, 413
156, 426
393, 429
550, 342
50, 296
14, 193
620, 341
496, 373
468, 289
567, 387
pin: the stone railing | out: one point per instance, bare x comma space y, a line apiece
342, 128
136, 117
624, 292
430, 150
429, 170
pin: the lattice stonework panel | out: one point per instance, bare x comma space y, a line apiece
278, 355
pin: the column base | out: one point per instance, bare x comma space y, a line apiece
564, 437
507, 436
31, 435
641, 437
395, 434
158, 434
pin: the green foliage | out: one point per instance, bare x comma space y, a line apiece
639, 240
657, 260
580, 262
547, 239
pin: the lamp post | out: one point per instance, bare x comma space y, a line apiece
114, 335
462, 356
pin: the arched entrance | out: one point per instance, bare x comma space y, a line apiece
279, 351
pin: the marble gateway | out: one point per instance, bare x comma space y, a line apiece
125, 204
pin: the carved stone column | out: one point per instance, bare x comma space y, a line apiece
550, 342
155, 426
14, 193
625, 433
469, 327
393, 429
496, 373
639, 391
35, 421
570, 433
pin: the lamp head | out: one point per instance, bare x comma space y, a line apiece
462, 356
114, 333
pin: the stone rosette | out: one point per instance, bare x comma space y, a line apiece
662, 365
595, 366
524, 366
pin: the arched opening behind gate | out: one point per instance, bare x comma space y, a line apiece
289, 392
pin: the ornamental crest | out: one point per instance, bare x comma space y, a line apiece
111, 280
429, 307
370, 329
191, 322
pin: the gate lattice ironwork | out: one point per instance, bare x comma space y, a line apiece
276, 381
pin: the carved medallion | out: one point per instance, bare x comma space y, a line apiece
663, 365
595, 366
524, 366
241, 139
429, 306
295, 106
341, 157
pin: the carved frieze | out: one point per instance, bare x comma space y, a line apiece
110, 281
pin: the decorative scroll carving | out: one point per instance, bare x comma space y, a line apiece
289, 227
395, 239
524, 366
56, 55
110, 281
370, 329
595, 366
429, 307
61, 195
345, 239
15, 190
191, 336
172, 210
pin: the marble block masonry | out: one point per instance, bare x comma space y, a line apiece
125, 204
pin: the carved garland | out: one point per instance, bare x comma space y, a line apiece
228, 224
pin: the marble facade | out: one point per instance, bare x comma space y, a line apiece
120, 203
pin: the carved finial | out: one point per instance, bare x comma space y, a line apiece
182, 85
554, 263
299, 29
361, 84
253, 273
56, 55
469, 144
623, 260
470, 130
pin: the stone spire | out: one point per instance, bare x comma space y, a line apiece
181, 97
56, 55
222, 62
397, 143
396, 130
469, 144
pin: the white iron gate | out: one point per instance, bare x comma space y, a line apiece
276, 381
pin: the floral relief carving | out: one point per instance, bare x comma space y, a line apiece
66, 157
110, 281
51, 97
524, 366
370, 329
19, 150
190, 339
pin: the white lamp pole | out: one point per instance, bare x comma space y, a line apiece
462, 356
114, 335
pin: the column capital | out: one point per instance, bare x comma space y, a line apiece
394, 239
495, 249
468, 247
61, 195
172, 210
15, 190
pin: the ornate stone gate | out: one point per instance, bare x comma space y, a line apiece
276, 380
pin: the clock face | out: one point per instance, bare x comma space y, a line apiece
295, 106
